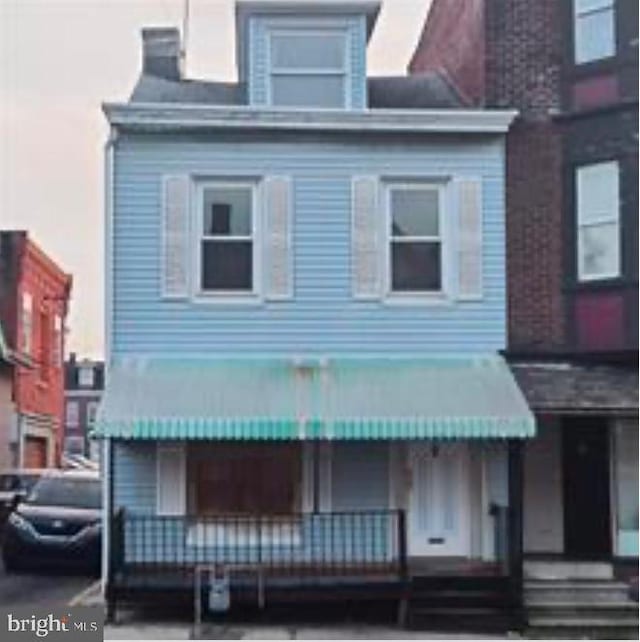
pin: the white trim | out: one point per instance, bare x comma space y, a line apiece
325, 477
180, 451
221, 297
439, 297
154, 116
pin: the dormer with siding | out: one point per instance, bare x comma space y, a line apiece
300, 262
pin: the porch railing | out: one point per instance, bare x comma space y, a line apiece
305, 546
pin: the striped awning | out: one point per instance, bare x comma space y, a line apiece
446, 397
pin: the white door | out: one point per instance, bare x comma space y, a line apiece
439, 500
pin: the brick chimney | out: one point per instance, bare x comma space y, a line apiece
161, 52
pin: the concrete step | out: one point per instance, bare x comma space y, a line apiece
609, 610
586, 591
582, 622
565, 570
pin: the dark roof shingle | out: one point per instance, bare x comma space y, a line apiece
426, 91
578, 387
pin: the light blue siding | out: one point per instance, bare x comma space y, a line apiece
258, 53
323, 317
134, 479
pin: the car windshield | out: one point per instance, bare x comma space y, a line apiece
60, 491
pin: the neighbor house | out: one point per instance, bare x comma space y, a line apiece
306, 308
83, 385
34, 298
571, 70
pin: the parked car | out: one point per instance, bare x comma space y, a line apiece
15, 485
58, 524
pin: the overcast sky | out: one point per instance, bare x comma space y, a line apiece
59, 59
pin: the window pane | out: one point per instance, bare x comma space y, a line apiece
227, 265
308, 51
626, 449
584, 6
308, 91
599, 250
594, 36
415, 267
414, 212
598, 192
227, 211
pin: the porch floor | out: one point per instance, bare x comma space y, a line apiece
453, 566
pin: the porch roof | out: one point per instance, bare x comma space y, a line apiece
445, 397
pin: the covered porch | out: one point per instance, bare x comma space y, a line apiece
365, 483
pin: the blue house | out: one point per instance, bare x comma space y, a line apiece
306, 308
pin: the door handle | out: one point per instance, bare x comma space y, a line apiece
436, 540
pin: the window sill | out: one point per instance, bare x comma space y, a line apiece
420, 300
226, 298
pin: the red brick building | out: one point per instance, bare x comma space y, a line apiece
34, 298
571, 69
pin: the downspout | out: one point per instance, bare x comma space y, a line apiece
106, 464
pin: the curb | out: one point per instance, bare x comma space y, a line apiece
77, 599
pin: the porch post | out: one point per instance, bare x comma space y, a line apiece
515, 545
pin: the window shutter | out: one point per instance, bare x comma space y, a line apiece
175, 215
171, 479
366, 251
278, 252
469, 199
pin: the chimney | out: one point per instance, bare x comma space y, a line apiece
161, 52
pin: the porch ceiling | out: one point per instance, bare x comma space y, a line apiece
447, 397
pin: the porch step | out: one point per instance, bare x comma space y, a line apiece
458, 619
459, 603
563, 570
583, 591
580, 607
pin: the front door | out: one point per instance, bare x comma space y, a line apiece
585, 458
439, 500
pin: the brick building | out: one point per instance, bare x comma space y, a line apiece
571, 69
34, 297
84, 384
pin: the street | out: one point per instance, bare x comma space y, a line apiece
20, 589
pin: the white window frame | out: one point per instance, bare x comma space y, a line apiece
309, 71
57, 357
418, 296
26, 313
606, 219
228, 296
88, 382
578, 15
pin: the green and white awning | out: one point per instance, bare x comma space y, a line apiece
447, 397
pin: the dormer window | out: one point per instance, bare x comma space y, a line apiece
308, 69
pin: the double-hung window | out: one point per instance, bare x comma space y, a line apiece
415, 265
308, 69
594, 30
598, 221
227, 239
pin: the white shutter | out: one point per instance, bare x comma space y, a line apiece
366, 250
175, 222
469, 237
278, 252
171, 483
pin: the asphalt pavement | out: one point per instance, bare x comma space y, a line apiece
40, 588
